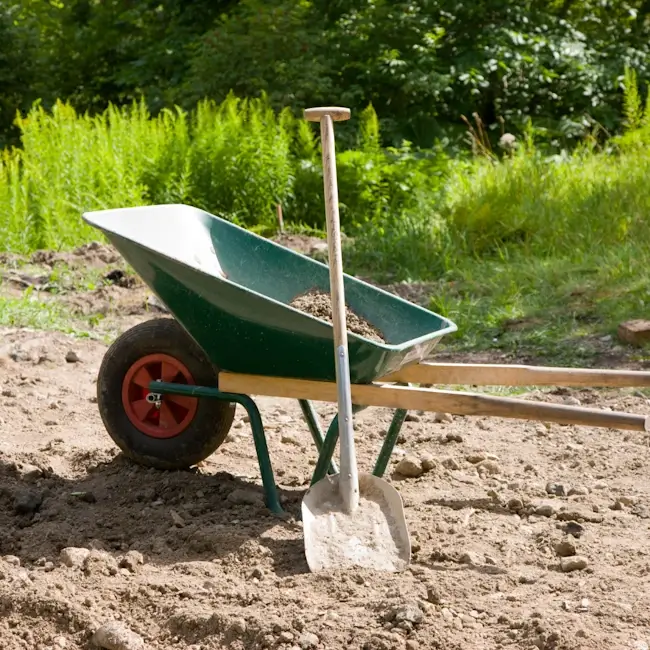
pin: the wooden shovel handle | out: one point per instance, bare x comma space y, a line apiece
348, 477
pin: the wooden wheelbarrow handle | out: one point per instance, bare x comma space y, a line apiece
477, 374
428, 399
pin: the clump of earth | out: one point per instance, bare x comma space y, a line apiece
319, 304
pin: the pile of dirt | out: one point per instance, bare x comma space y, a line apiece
93, 254
319, 304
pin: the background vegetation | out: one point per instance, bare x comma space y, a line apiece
538, 242
422, 63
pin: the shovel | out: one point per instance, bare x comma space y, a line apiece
349, 520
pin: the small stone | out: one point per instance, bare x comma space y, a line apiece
60, 642
475, 458
412, 417
584, 605
289, 439
452, 437
574, 563
12, 559
131, 560
238, 627
51, 423
572, 401
515, 504
541, 430
116, 636
428, 462
565, 548
557, 489
72, 357
578, 490
29, 472
545, 510
443, 417
100, 562
285, 637
446, 614
576, 513
574, 529
488, 467
412, 645
433, 595
600, 485
470, 558
179, 522
27, 502
308, 640
483, 425
410, 467
246, 497
634, 332
451, 463
409, 612
73, 556
626, 501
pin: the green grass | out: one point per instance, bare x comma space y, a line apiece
555, 308
30, 311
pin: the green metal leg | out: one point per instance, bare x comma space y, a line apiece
259, 438
329, 445
311, 418
389, 442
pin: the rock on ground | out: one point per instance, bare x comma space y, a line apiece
117, 636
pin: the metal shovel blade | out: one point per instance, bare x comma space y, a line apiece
373, 536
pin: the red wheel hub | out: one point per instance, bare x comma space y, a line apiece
174, 413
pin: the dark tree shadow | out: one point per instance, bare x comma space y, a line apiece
171, 517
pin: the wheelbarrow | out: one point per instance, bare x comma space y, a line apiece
168, 387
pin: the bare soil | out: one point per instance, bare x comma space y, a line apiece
524, 535
319, 304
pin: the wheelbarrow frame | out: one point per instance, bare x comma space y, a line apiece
397, 391
241, 319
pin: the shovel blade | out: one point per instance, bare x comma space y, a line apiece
373, 536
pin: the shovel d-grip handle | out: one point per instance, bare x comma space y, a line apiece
348, 476
336, 113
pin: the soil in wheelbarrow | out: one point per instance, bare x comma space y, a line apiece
319, 304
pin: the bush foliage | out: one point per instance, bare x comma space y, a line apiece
422, 63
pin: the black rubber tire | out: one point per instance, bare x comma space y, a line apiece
213, 418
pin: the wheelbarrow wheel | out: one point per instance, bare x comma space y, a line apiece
175, 432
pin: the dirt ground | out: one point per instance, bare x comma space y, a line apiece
524, 535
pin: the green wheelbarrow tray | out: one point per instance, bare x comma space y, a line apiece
231, 289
